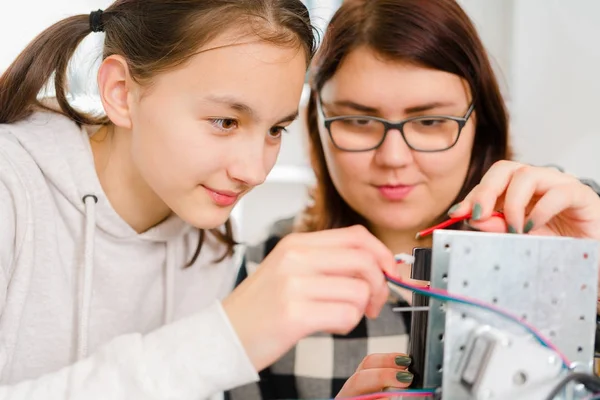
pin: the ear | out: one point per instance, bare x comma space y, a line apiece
115, 87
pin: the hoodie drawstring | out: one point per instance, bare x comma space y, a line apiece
85, 295
87, 277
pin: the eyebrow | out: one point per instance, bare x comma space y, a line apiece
243, 108
410, 110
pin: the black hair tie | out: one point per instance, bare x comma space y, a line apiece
96, 22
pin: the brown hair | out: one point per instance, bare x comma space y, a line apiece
153, 36
431, 33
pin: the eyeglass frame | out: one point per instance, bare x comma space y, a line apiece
388, 125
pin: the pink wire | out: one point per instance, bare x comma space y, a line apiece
489, 306
374, 396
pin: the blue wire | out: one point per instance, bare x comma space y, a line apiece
448, 298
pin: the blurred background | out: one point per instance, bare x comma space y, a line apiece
546, 53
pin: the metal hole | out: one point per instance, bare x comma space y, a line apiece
528, 253
445, 277
526, 285
447, 246
524, 316
583, 287
463, 316
585, 255
579, 349
465, 283
441, 337
496, 267
467, 250
555, 269
439, 368
552, 333
495, 300
554, 301
520, 378
582, 317
461, 348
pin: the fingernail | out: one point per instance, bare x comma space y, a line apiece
454, 208
476, 214
528, 226
403, 361
404, 377
511, 229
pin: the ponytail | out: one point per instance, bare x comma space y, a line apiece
46, 56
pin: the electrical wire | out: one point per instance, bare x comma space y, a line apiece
405, 393
591, 383
443, 295
450, 222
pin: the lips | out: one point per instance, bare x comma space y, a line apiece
395, 192
222, 198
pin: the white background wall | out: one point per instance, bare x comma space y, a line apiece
545, 51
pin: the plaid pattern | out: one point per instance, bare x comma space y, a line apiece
319, 365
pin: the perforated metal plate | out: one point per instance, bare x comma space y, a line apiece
549, 281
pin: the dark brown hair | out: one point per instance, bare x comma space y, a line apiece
153, 36
431, 33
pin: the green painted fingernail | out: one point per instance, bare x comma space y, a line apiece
511, 229
476, 214
403, 361
454, 208
528, 226
404, 377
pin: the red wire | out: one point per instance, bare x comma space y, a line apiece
450, 222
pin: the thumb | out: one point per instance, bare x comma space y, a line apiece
492, 224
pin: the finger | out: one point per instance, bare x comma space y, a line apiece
336, 289
482, 198
375, 380
519, 194
317, 316
493, 224
572, 196
399, 361
353, 237
351, 263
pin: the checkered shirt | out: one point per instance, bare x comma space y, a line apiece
319, 365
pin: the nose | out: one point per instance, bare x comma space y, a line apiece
393, 152
248, 164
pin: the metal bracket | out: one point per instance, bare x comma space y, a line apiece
549, 281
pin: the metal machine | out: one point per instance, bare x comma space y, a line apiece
471, 350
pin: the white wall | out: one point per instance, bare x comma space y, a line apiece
556, 83
548, 58
21, 21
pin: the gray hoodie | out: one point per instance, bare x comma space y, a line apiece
90, 308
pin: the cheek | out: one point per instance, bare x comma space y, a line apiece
447, 171
347, 170
270, 156
169, 148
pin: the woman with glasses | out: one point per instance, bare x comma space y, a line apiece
405, 120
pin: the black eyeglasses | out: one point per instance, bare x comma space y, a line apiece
429, 133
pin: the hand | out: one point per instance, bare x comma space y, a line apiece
376, 373
311, 282
536, 200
